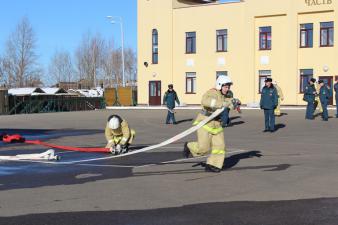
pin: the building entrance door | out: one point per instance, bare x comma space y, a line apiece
155, 92
329, 82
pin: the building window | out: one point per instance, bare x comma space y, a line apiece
221, 73
306, 35
222, 40
305, 77
155, 47
190, 42
263, 74
190, 87
265, 38
326, 34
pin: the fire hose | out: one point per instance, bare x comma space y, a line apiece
20, 139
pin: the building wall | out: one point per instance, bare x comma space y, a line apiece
243, 60
154, 14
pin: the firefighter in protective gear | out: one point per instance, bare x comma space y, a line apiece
280, 98
317, 100
211, 135
118, 135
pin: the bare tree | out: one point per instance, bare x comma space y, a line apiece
117, 66
2, 74
88, 58
20, 60
34, 80
61, 67
130, 64
107, 63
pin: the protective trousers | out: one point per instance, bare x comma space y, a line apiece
318, 104
209, 143
277, 110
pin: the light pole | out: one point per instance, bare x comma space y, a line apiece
119, 20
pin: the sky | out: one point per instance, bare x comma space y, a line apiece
60, 24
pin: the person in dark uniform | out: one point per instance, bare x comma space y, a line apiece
225, 116
269, 102
309, 96
336, 90
324, 97
169, 99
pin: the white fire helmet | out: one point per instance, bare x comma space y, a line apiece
114, 123
221, 80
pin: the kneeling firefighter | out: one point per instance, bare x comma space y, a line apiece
211, 134
118, 134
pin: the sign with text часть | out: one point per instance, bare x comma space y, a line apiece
318, 2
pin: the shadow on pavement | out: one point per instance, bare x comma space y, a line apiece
183, 121
321, 211
279, 126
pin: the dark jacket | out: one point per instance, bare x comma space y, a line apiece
229, 94
169, 99
308, 93
324, 94
269, 98
336, 89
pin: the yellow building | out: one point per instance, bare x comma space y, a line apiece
187, 43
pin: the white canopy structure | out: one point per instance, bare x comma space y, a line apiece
25, 91
54, 91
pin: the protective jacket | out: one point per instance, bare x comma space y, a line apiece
119, 136
279, 92
211, 101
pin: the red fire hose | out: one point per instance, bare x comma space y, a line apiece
17, 138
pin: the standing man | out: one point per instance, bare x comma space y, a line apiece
336, 90
169, 99
309, 96
269, 102
210, 137
280, 98
324, 96
225, 116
